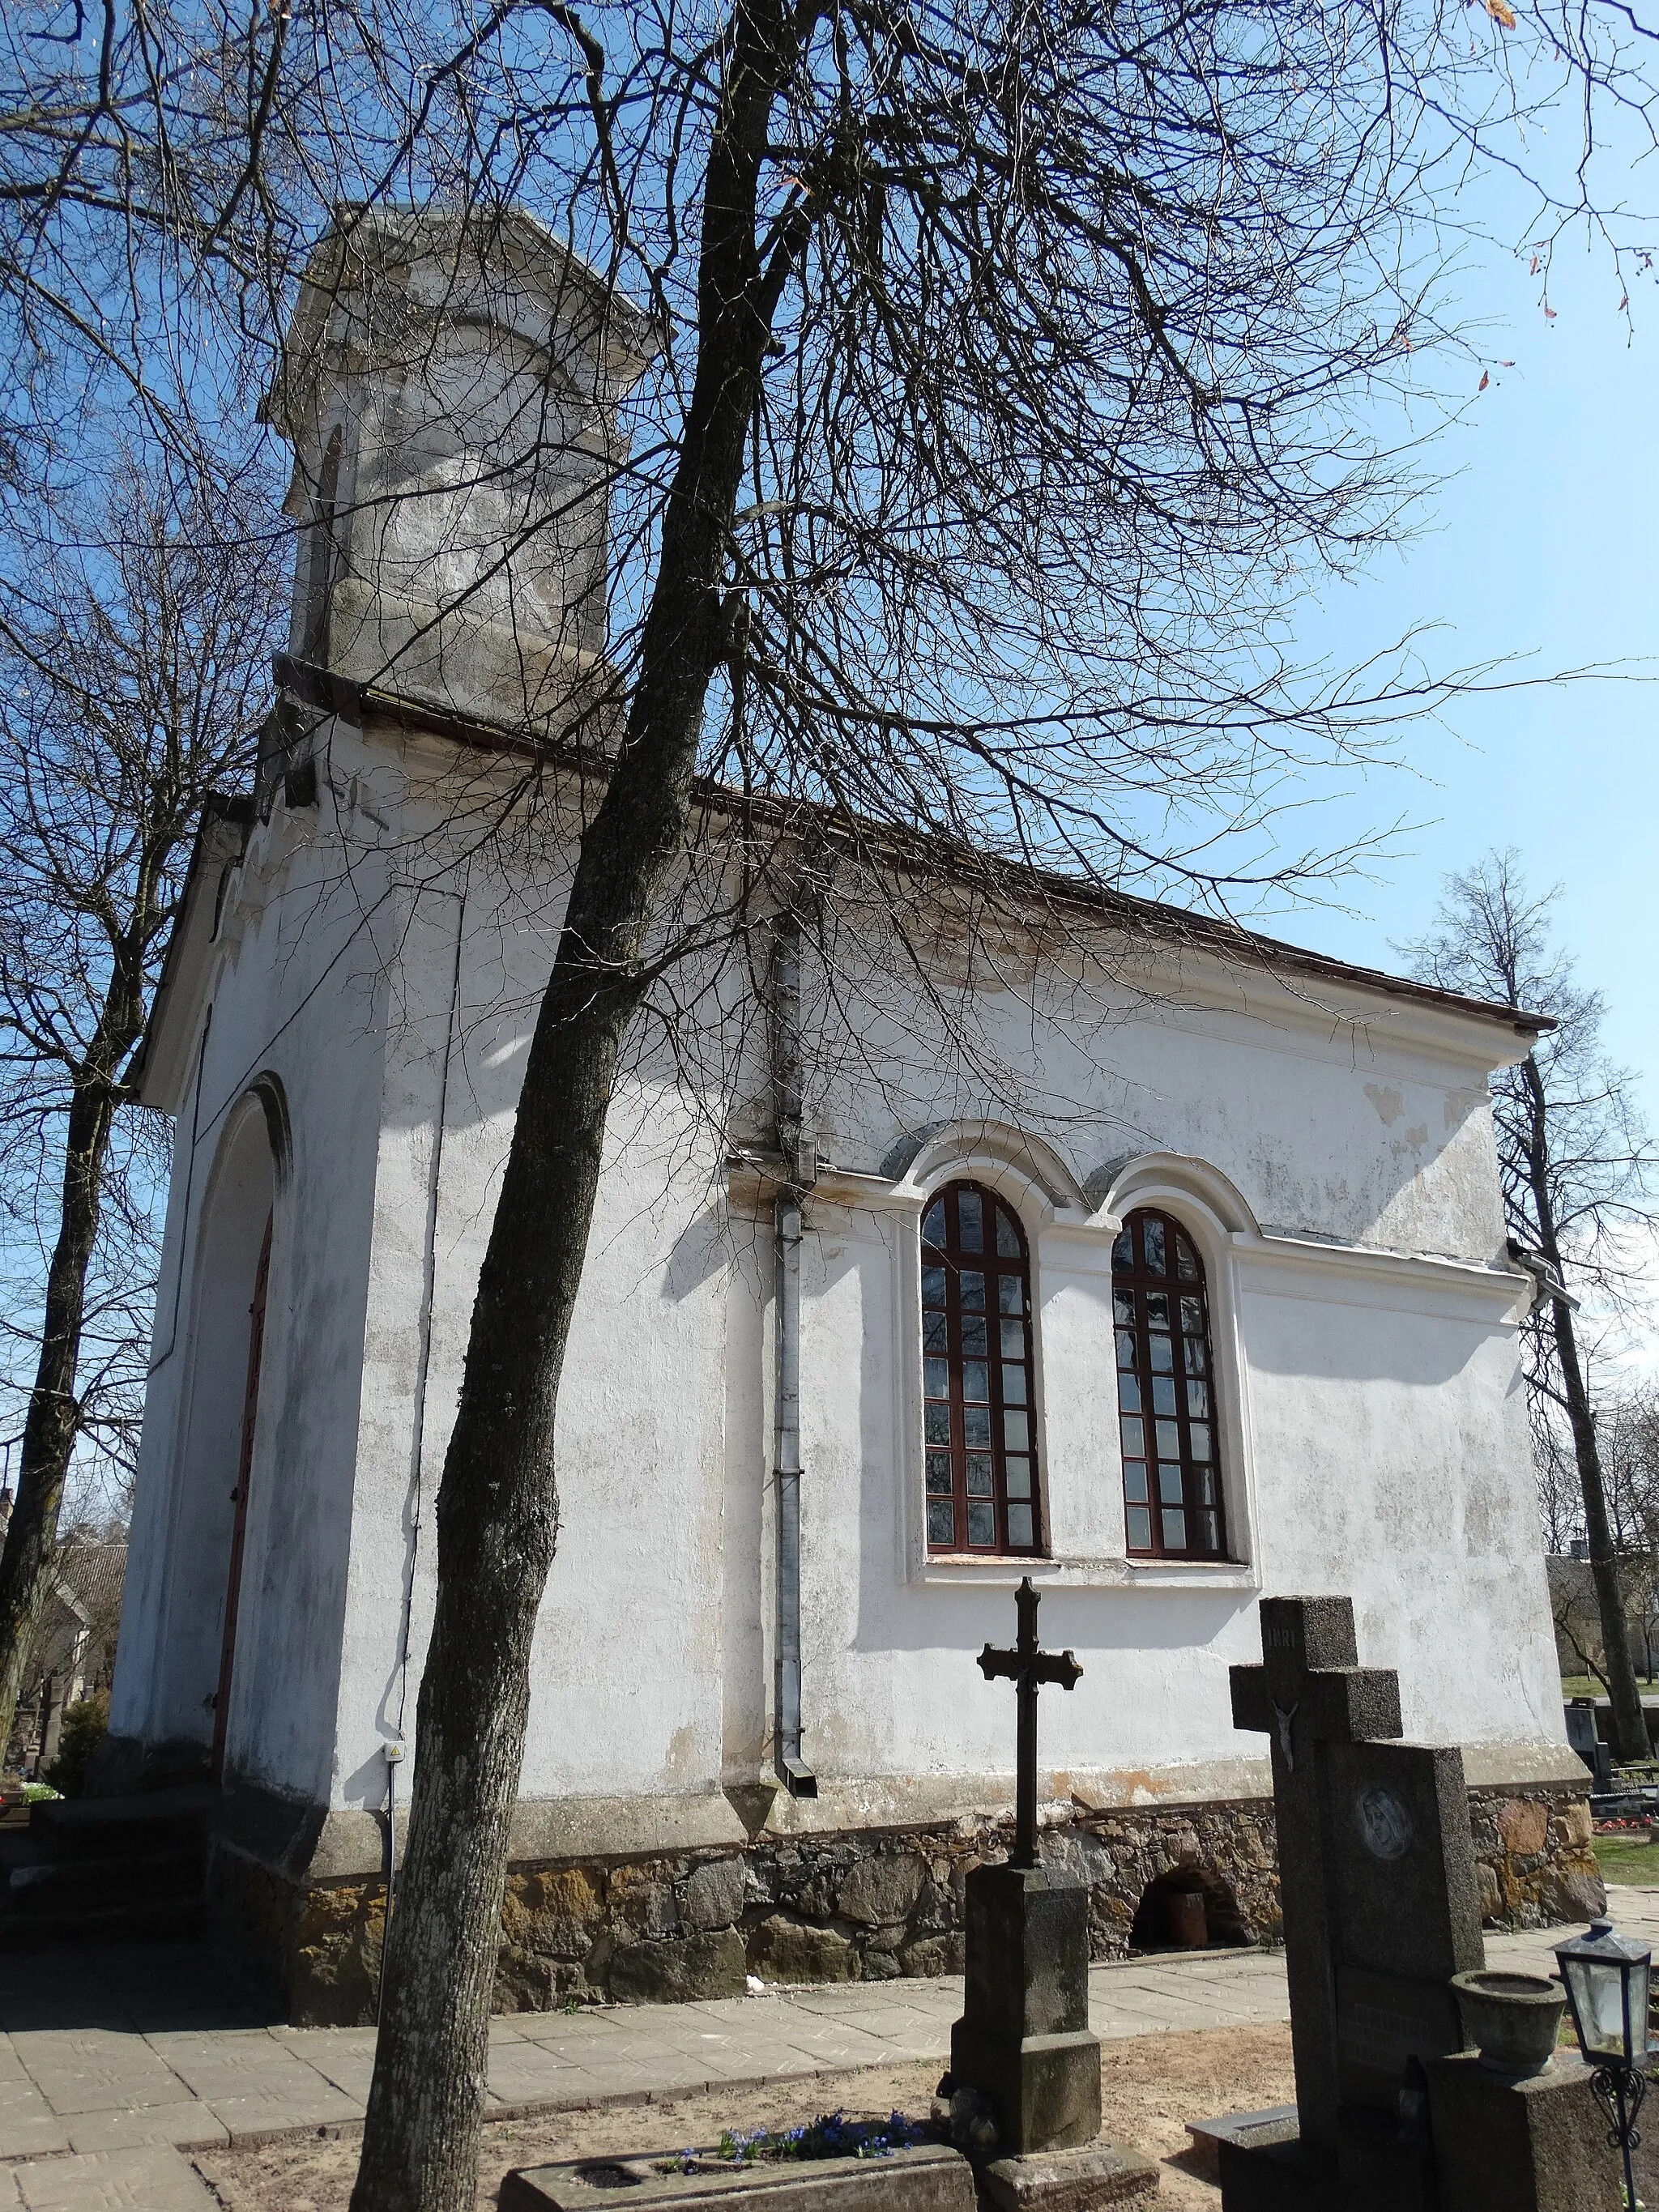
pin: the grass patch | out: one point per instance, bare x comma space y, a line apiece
1627, 1858
1586, 1686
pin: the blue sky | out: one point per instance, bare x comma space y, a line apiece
1540, 545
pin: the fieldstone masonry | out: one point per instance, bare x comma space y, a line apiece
1535, 1863
871, 1905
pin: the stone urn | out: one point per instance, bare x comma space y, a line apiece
1511, 2018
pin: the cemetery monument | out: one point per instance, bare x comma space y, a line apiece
1376, 1870
1023, 2043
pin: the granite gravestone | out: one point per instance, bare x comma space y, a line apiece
1377, 1876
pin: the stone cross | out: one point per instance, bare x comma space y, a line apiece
1023, 2041
1376, 1873
1029, 1668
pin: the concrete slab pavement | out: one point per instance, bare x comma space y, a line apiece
159, 2179
114, 2065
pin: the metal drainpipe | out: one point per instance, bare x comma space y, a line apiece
796, 1776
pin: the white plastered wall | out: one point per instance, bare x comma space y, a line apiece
1372, 1430
1374, 1445
282, 1027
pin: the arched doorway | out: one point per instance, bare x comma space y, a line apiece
229, 1348
1187, 1908
239, 1497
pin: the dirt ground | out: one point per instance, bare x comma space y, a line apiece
1150, 2088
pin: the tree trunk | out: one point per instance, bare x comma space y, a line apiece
53, 1417
497, 1511
1629, 1729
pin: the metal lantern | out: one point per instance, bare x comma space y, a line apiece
1607, 1980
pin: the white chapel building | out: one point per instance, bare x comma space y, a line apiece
1206, 1297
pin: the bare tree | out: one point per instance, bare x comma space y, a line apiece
1578, 1169
1627, 1435
1578, 1616
1000, 354
1560, 1496
133, 659
1627, 1430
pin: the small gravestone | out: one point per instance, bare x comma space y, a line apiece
1583, 1737
1022, 2045
1377, 1890
930, 2179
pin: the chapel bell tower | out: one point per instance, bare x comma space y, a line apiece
450, 386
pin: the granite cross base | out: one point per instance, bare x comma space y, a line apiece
930, 2178
1532, 2146
1023, 2038
1080, 2180
1382, 2163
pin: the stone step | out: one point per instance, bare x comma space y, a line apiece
161, 1921
51, 1884
119, 1827
104, 1870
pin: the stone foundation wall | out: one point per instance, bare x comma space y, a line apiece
865, 1906
314, 1946
1533, 1858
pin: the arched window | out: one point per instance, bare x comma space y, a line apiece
1166, 1392
976, 1375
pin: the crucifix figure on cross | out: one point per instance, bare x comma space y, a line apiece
1028, 1668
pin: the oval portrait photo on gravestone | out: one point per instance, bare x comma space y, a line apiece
1384, 1824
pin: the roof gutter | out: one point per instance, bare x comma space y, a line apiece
1016, 880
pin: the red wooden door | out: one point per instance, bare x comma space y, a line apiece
256, 1338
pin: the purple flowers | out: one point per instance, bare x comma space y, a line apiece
832, 2135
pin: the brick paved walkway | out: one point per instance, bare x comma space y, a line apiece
115, 2063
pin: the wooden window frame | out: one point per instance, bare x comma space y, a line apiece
948, 1268
1187, 1381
